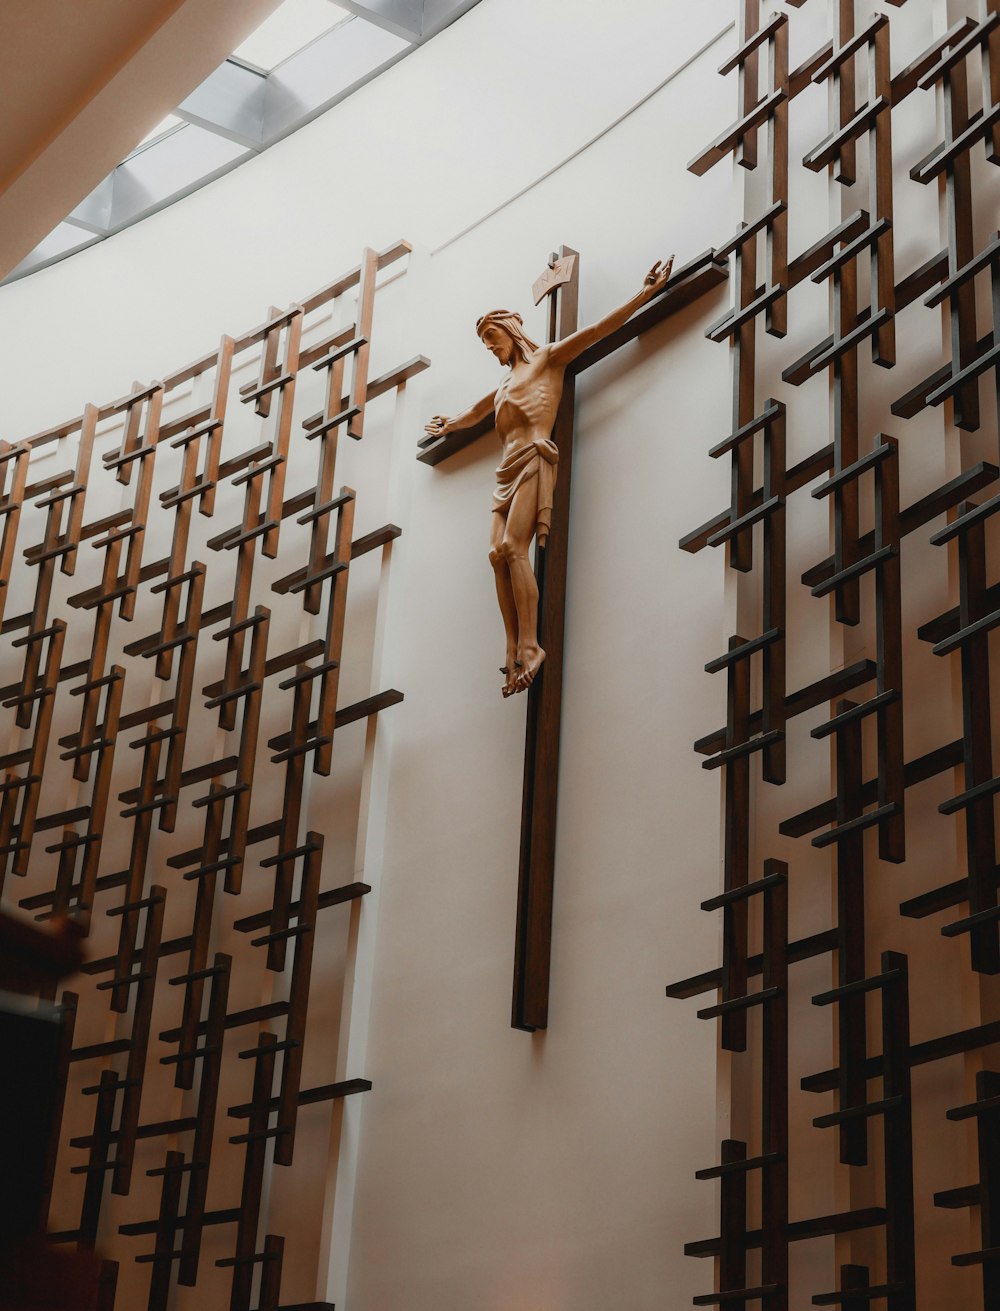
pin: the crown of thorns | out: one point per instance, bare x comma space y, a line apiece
498, 318
512, 324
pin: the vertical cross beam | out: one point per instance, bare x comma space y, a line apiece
845, 440
772, 1162
244, 542
282, 437
69, 1003
774, 1090
736, 851
773, 765
900, 1254
13, 480
972, 639
995, 300
986, 1194
270, 1275
183, 691
139, 850
301, 741
988, 1143
991, 78
961, 242
889, 656
744, 355
883, 260
256, 1138
252, 697
854, 1280
320, 523
954, 158
883, 560
326, 715
190, 431
777, 230
17, 836
163, 1257
93, 840
214, 426
201, 929
102, 604
97, 1165
749, 26
733, 1216
844, 81
55, 546
366, 313
298, 998
208, 1097
145, 986
533, 940
107, 1287
851, 1023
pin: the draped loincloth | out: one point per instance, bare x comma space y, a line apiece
538, 460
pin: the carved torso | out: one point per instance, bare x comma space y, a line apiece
527, 401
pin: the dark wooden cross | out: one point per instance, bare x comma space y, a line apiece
560, 283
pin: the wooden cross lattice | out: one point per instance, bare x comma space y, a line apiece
539, 808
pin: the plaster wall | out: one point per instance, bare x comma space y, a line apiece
493, 1167
488, 1167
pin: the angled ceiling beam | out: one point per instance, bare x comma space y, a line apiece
439, 14
233, 110
86, 82
403, 18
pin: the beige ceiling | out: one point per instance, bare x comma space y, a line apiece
82, 82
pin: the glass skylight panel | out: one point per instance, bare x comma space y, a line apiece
168, 167
164, 126
226, 121
294, 24
60, 241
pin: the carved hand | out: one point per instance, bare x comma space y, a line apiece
438, 426
656, 278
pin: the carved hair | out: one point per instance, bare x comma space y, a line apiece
513, 325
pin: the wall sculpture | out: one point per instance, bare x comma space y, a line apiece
180, 810
524, 410
663, 294
868, 823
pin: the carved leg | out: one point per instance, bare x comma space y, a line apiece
516, 545
505, 596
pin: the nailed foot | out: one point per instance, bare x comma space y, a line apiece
531, 662
510, 671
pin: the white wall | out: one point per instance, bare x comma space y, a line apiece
488, 1167
500, 1169
494, 1168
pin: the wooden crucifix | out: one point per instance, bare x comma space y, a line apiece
533, 604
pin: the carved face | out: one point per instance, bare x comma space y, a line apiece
499, 342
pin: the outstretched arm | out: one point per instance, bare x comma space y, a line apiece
440, 426
564, 352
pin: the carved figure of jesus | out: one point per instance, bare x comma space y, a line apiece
525, 407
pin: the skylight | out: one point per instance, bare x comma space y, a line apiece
162, 128
293, 25
298, 64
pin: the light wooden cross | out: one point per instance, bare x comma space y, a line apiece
560, 283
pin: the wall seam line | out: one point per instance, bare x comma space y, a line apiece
575, 154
